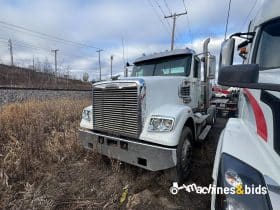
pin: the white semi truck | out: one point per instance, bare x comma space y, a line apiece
153, 118
248, 153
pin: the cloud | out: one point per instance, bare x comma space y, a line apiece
104, 23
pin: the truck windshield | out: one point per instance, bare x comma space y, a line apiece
170, 66
269, 46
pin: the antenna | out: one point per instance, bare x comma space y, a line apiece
229, 4
123, 51
111, 58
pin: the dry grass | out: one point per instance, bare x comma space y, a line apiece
42, 165
34, 136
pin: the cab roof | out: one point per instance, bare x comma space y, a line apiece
165, 54
269, 10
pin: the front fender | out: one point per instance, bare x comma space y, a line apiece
242, 142
180, 113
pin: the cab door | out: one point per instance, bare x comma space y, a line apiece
195, 79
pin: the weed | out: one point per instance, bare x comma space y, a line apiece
34, 136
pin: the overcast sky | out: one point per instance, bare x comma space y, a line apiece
105, 23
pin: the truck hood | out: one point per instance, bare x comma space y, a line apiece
161, 90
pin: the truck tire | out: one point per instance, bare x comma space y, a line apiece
212, 115
184, 154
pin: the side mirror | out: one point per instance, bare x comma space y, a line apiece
227, 52
116, 77
238, 75
125, 73
211, 67
244, 76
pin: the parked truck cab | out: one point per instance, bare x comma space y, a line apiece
248, 153
152, 118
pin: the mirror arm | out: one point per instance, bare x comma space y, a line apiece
242, 56
239, 34
245, 35
243, 44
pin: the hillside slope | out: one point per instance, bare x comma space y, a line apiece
12, 76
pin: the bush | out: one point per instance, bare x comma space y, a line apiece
35, 135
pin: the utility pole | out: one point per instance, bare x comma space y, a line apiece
55, 60
174, 16
33, 63
10, 44
228, 13
100, 50
112, 57
67, 78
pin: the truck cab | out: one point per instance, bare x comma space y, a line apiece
153, 118
248, 153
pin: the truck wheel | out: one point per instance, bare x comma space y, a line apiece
184, 154
106, 160
212, 115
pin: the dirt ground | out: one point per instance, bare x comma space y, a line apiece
85, 180
97, 183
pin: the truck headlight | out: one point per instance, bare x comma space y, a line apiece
250, 191
161, 124
86, 115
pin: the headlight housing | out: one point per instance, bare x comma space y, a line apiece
235, 173
161, 124
86, 115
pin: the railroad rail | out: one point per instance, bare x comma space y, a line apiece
40, 89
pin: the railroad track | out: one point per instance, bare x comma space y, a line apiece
40, 89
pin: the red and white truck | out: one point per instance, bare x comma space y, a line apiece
248, 153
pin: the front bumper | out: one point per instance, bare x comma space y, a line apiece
144, 155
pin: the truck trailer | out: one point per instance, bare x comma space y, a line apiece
153, 118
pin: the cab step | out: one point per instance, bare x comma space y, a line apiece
199, 118
204, 133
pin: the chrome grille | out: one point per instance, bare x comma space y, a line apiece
116, 109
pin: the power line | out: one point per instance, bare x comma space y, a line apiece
55, 38
37, 48
170, 27
160, 8
251, 10
34, 35
28, 45
3, 42
227, 19
168, 8
188, 21
160, 19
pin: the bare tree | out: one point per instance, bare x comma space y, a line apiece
47, 67
38, 65
85, 77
